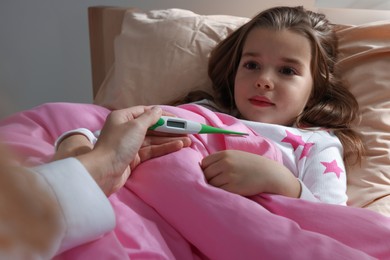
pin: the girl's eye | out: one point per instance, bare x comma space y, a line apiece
251, 65
288, 71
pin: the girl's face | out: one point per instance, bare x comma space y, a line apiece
273, 81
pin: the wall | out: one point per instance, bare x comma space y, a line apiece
44, 48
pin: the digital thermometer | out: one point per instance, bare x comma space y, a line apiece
176, 125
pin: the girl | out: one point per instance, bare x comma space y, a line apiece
279, 69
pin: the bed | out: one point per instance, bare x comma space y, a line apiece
122, 57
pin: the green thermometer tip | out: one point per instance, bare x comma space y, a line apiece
206, 129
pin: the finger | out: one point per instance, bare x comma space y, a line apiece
153, 151
156, 140
165, 113
218, 180
150, 116
231, 188
126, 114
156, 133
120, 181
131, 113
135, 162
212, 170
211, 159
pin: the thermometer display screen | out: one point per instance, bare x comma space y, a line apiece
176, 124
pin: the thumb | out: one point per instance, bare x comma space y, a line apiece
150, 117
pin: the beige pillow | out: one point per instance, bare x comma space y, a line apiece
161, 55
365, 64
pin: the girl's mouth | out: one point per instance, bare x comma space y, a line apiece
261, 101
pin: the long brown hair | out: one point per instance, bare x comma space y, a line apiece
330, 106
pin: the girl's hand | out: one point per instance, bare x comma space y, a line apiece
249, 174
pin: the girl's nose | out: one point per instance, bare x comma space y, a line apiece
264, 81
265, 86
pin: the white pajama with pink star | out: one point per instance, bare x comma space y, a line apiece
314, 156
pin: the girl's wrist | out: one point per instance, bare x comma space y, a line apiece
79, 131
285, 183
72, 146
291, 188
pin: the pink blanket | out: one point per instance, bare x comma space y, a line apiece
168, 211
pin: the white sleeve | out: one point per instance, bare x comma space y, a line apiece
87, 213
92, 137
306, 193
322, 171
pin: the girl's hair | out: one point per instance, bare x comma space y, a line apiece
330, 106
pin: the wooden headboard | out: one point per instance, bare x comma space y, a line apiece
104, 25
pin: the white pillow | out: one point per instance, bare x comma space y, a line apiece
161, 55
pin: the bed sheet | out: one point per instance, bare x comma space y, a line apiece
168, 211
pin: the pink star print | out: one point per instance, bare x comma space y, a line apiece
332, 167
296, 141
306, 149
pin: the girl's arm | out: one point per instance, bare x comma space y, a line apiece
249, 174
321, 172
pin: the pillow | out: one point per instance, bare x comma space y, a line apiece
365, 65
162, 55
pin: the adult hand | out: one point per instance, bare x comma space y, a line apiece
122, 144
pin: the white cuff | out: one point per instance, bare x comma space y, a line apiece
83, 131
86, 210
306, 194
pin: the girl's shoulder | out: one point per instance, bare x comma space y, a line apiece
281, 128
315, 134
280, 132
316, 131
